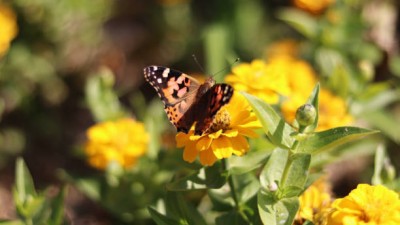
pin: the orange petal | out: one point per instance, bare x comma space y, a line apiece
190, 152
207, 158
182, 139
204, 143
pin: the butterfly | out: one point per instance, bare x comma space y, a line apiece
186, 100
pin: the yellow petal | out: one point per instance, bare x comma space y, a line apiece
240, 145
222, 147
247, 132
230, 133
215, 135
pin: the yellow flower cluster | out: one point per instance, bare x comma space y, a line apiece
266, 80
366, 205
230, 126
8, 28
313, 6
122, 141
289, 81
314, 203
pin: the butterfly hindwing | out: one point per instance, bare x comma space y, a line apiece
210, 103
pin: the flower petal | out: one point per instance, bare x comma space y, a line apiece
207, 157
190, 152
240, 145
204, 143
222, 147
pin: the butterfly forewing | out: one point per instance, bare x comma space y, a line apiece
184, 103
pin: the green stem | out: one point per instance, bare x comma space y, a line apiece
289, 158
231, 185
286, 169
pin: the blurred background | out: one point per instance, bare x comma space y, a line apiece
49, 50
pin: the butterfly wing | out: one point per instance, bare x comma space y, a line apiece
209, 104
177, 90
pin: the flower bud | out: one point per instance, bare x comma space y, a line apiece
306, 115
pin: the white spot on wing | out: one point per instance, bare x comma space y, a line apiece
159, 80
166, 72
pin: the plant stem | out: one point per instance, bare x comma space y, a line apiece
231, 185
286, 169
289, 158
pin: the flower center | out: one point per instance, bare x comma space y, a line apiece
221, 121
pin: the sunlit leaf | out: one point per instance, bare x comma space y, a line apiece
298, 170
301, 21
207, 177
277, 212
247, 163
274, 168
324, 140
274, 126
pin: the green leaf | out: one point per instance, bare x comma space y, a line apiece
274, 126
246, 186
313, 100
57, 208
276, 212
207, 177
298, 170
385, 122
100, 97
24, 187
384, 171
324, 140
178, 208
232, 217
161, 219
247, 163
301, 21
274, 168
11, 222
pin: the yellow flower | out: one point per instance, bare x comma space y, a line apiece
314, 203
332, 111
121, 141
8, 28
366, 205
288, 47
227, 134
265, 80
313, 6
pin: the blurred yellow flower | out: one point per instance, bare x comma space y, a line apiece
288, 47
313, 6
121, 141
230, 126
8, 28
314, 203
265, 80
366, 205
332, 109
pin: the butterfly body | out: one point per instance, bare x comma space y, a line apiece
186, 101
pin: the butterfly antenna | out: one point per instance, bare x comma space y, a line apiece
227, 67
198, 64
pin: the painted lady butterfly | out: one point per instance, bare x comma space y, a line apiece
186, 100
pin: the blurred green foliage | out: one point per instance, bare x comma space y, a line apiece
72, 54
